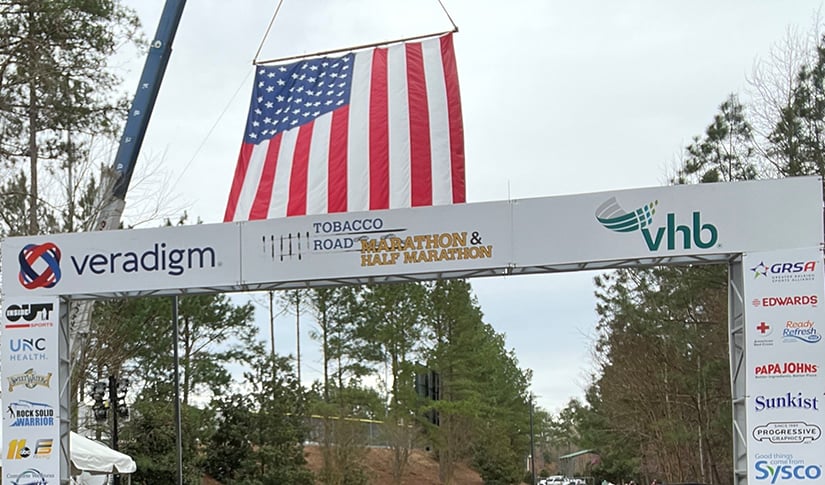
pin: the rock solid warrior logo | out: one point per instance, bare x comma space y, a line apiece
29, 413
49, 253
702, 236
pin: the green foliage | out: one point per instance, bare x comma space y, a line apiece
260, 434
56, 100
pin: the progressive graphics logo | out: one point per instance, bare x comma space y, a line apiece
157, 258
28, 258
787, 432
784, 467
673, 235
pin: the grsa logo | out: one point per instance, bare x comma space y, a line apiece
28, 258
785, 272
670, 237
786, 472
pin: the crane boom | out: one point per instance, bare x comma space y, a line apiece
139, 114
115, 181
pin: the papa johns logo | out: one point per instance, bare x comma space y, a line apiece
703, 236
29, 277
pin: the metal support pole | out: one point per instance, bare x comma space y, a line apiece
178, 428
532, 446
736, 329
113, 402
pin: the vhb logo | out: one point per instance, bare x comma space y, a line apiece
673, 235
49, 253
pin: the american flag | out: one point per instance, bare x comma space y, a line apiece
374, 129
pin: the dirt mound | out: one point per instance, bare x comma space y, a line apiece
422, 468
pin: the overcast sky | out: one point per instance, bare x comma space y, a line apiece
559, 97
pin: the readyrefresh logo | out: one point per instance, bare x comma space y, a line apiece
702, 236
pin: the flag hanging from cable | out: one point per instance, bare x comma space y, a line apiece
373, 129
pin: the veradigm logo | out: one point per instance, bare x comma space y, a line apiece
672, 236
40, 264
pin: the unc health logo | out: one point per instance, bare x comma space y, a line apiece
674, 236
49, 253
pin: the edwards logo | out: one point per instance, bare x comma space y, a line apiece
39, 266
671, 237
793, 300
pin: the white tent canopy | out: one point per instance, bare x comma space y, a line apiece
95, 457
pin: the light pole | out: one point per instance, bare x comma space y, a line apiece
116, 401
532, 446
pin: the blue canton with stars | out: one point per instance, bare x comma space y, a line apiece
288, 96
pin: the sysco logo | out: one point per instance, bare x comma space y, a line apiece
791, 473
673, 235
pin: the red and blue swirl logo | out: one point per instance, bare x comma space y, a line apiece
49, 254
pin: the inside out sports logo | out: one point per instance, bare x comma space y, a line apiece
39, 266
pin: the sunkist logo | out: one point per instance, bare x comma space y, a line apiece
672, 235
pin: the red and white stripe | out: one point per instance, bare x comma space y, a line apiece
398, 143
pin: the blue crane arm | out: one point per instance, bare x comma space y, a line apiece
147, 92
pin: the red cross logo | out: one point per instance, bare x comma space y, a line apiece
763, 328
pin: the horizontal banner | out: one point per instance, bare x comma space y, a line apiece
704, 222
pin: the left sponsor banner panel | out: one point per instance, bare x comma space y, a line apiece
31, 395
160, 260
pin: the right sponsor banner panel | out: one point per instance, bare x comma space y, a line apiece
785, 358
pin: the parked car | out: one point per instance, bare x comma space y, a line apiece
553, 480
